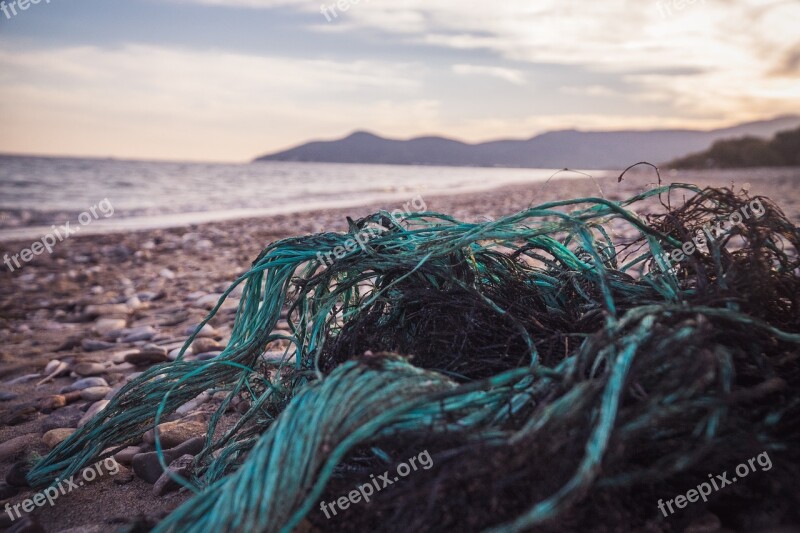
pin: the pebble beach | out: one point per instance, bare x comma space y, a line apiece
77, 324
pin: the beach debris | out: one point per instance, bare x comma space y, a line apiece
53, 369
574, 353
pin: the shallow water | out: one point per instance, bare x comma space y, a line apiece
38, 192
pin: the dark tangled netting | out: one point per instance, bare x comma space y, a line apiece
562, 367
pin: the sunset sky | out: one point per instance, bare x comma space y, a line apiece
227, 80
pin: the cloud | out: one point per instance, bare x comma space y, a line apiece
590, 90
736, 50
510, 75
789, 64
161, 102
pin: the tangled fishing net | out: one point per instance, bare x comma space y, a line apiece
563, 367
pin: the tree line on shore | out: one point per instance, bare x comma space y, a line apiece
783, 150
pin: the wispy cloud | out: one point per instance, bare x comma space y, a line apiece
507, 74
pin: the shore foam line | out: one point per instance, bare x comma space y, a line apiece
122, 224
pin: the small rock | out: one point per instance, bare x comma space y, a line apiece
133, 303
190, 406
209, 301
172, 434
67, 417
89, 369
26, 524
85, 383
105, 326
93, 345
143, 333
94, 311
173, 354
205, 344
95, 393
72, 396
51, 366
118, 358
133, 375
273, 355
206, 331
19, 414
93, 410
7, 396
113, 391
167, 273
48, 404
175, 319
151, 296
69, 344
149, 354
117, 252
242, 407
124, 479
16, 474
54, 437
54, 370
7, 491
181, 467
126, 456
147, 467
23, 379
206, 356
12, 447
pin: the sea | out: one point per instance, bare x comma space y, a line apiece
38, 192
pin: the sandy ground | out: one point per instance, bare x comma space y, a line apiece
163, 276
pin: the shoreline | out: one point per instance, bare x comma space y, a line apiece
134, 221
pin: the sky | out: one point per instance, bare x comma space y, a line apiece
228, 80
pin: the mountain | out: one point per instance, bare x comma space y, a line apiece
557, 149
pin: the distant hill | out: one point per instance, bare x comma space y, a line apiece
783, 150
557, 149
